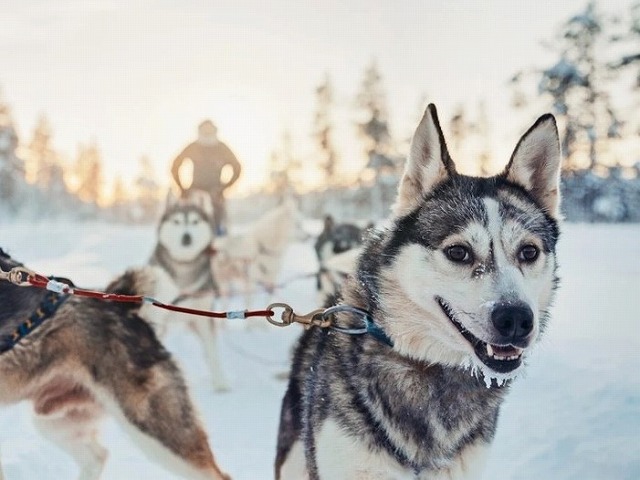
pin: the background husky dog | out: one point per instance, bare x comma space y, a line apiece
335, 239
92, 356
253, 259
461, 285
182, 258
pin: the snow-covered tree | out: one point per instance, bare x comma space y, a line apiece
469, 139
12, 175
89, 173
119, 200
630, 39
373, 127
483, 130
284, 167
373, 123
44, 168
576, 85
323, 130
459, 129
148, 191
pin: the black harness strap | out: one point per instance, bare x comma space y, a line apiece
47, 308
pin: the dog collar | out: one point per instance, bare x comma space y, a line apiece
368, 326
47, 308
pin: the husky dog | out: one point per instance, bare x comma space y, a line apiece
182, 261
253, 259
86, 357
335, 239
457, 292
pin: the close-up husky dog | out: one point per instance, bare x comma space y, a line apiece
457, 291
182, 260
75, 358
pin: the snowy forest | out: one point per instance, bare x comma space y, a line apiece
592, 87
319, 102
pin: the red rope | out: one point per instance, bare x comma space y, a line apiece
41, 281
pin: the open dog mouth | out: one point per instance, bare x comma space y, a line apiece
499, 358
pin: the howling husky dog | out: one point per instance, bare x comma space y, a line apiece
182, 261
458, 292
87, 356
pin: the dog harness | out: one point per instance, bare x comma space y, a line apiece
47, 308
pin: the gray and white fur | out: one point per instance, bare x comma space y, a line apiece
461, 283
182, 264
92, 358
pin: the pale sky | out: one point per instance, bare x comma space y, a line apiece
139, 75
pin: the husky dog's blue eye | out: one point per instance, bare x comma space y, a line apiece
458, 254
528, 253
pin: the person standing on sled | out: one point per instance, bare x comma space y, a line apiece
209, 156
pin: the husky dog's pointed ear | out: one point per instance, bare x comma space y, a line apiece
428, 163
535, 164
328, 223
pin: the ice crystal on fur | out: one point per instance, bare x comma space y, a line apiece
480, 371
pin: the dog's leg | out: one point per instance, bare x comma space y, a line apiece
154, 407
295, 465
468, 465
69, 419
290, 461
206, 331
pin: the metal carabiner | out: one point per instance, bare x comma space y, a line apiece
316, 318
17, 276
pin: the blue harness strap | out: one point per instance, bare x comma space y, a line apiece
47, 308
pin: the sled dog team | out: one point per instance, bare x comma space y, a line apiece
456, 292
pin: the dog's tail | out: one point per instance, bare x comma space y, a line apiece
133, 282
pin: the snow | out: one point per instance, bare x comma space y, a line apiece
575, 414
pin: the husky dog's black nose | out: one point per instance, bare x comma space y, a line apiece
186, 240
513, 322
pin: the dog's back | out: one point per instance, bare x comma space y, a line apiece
89, 356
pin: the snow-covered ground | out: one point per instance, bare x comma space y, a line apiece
574, 416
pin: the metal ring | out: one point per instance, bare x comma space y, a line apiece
283, 322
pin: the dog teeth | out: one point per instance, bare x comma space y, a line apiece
496, 356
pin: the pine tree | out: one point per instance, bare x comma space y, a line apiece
89, 173
323, 130
627, 39
459, 129
482, 128
12, 175
373, 125
284, 167
630, 38
576, 85
44, 168
119, 200
148, 190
